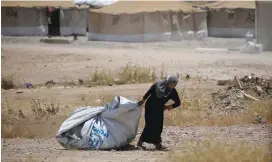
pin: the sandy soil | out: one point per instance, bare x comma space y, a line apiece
38, 63
175, 138
29, 60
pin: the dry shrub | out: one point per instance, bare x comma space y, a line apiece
137, 74
127, 74
211, 151
101, 77
17, 124
7, 82
69, 84
44, 108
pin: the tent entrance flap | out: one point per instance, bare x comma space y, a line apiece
53, 21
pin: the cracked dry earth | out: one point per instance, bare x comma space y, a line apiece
176, 138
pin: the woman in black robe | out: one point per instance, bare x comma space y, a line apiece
157, 96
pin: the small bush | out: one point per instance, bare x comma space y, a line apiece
7, 82
44, 108
24, 125
101, 77
137, 74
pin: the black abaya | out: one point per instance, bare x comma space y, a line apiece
154, 114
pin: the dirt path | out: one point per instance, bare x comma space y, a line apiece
176, 138
39, 62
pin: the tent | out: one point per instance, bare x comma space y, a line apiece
264, 24
33, 18
144, 21
230, 18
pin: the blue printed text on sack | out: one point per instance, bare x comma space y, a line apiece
99, 131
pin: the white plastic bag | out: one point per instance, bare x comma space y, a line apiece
95, 3
110, 127
251, 47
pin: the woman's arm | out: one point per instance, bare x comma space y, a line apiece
147, 94
175, 98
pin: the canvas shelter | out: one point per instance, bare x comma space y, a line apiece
144, 21
264, 24
42, 18
230, 18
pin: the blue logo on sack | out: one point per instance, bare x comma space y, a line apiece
97, 136
101, 132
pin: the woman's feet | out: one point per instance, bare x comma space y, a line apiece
140, 145
159, 146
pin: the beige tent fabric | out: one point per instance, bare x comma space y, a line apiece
130, 7
118, 25
156, 26
30, 4
9, 16
230, 18
264, 24
31, 19
233, 19
145, 21
18, 21
230, 5
73, 22
200, 21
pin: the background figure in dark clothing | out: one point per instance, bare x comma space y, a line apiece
157, 96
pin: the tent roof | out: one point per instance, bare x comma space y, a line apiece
122, 7
63, 4
230, 4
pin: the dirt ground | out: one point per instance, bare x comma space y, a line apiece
176, 138
29, 60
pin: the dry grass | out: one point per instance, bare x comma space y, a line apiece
7, 82
69, 84
17, 124
16, 120
127, 74
194, 112
43, 108
137, 74
187, 117
211, 151
101, 77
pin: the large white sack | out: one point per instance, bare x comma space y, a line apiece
110, 127
95, 3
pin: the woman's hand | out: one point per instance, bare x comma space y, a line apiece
140, 103
168, 108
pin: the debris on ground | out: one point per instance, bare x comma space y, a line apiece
50, 82
259, 86
21, 114
28, 85
80, 81
19, 91
239, 93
